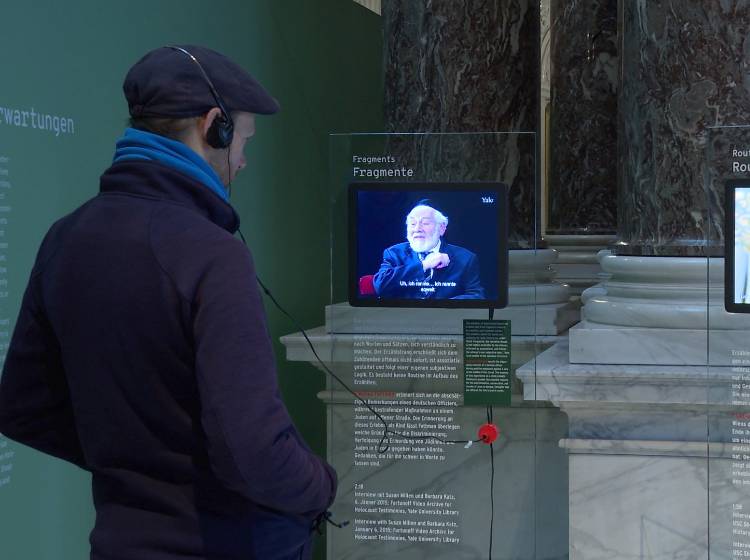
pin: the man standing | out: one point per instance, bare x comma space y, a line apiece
141, 352
426, 268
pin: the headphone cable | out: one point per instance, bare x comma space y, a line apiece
384, 443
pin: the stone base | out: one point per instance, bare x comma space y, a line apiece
650, 467
526, 320
577, 263
596, 343
643, 499
339, 348
658, 310
579, 276
530, 487
622, 393
337, 352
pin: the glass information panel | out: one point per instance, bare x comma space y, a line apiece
728, 394
417, 475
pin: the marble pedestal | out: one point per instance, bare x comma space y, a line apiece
658, 310
592, 343
650, 463
530, 493
531, 470
626, 504
338, 349
577, 263
650, 385
549, 319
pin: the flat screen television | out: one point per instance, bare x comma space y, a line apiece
737, 246
428, 244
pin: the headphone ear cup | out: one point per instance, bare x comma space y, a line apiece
220, 132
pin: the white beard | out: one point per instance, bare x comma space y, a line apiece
423, 245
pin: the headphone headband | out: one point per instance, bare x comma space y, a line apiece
222, 129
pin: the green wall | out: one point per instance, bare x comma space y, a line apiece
320, 58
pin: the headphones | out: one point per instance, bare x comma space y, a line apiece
221, 131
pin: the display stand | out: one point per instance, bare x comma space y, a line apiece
429, 498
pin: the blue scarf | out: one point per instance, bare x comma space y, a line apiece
146, 146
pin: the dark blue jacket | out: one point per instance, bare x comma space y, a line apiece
141, 355
401, 275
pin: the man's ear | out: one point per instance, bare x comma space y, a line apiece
442, 229
207, 120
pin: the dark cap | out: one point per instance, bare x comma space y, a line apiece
426, 202
168, 83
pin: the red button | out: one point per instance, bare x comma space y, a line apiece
488, 433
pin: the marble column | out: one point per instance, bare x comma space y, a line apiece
581, 188
685, 69
461, 67
648, 378
468, 66
465, 66
582, 192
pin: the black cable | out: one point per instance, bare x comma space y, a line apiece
490, 414
490, 420
384, 443
229, 177
492, 494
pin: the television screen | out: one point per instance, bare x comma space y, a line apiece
737, 246
428, 245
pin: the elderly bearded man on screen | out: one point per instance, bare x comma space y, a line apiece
425, 267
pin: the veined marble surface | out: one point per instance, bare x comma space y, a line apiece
685, 69
578, 263
530, 494
696, 280
464, 66
337, 352
628, 507
652, 461
658, 310
583, 117
552, 377
544, 99
597, 343
461, 66
548, 319
653, 500
685, 404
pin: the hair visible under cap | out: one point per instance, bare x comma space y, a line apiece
172, 128
440, 218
